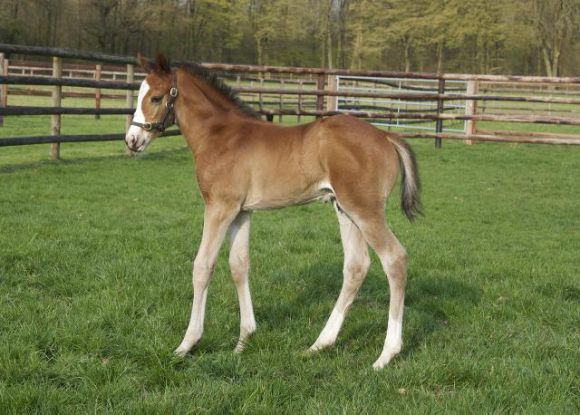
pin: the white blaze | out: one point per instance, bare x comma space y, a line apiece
136, 137
139, 116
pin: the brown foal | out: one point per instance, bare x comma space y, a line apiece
245, 164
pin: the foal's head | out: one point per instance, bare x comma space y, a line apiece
154, 111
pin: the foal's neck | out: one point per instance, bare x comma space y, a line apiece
202, 111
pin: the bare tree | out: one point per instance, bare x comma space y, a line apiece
555, 24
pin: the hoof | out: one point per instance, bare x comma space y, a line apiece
310, 351
180, 352
183, 350
384, 359
244, 339
317, 347
239, 347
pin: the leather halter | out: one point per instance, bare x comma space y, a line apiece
167, 120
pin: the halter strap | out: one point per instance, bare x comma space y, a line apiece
166, 120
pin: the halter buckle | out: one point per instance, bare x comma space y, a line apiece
173, 92
147, 126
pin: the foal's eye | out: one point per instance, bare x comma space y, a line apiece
156, 100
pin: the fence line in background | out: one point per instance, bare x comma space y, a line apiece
98, 95
131, 86
56, 103
3, 87
105, 58
19, 80
317, 96
48, 139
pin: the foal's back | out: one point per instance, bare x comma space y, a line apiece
281, 166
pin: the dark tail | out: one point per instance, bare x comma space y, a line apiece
411, 182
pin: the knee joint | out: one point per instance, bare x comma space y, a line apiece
201, 271
396, 267
201, 267
358, 269
397, 258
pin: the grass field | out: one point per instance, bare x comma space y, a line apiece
95, 289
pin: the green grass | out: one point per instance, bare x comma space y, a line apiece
95, 289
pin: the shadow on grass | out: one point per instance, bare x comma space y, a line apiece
560, 292
315, 285
426, 302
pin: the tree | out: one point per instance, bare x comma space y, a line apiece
512, 36
555, 24
10, 27
263, 22
405, 25
366, 25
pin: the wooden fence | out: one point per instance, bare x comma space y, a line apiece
300, 92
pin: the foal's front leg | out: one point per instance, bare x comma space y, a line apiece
217, 219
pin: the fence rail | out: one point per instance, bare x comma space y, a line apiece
81, 138
433, 100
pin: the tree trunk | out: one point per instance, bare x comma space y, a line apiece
407, 55
556, 63
329, 48
329, 26
357, 50
322, 51
440, 57
339, 53
259, 51
547, 63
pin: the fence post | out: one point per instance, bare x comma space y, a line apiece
301, 83
269, 117
471, 109
281, 102
98, 70
3, 87
321, 81
440, 108
130, 79
332, 101
56, 102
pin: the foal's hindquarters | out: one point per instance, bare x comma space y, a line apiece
362, 169
339, 158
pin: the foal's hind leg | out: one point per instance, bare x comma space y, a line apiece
394, 261
240, 266
356, 265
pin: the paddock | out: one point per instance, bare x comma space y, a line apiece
95, 263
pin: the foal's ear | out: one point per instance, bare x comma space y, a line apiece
163, 64
146, 64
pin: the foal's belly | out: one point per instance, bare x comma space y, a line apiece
277, 198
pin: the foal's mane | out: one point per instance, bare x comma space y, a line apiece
220, 87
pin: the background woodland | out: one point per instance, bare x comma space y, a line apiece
535, 37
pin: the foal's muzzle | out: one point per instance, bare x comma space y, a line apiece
137, 139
